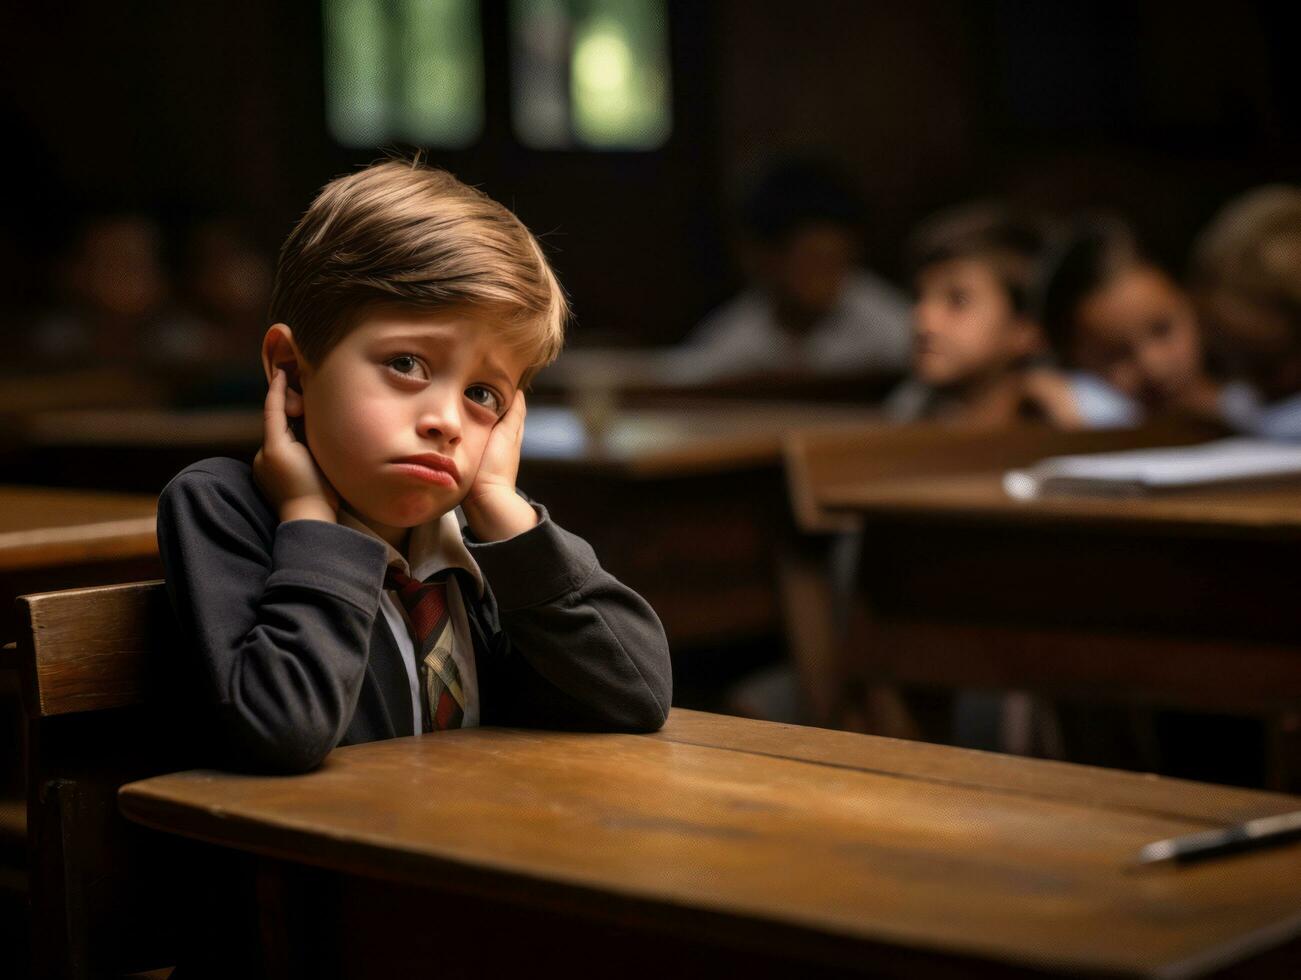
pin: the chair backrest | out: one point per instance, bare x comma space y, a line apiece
90, 660
817, 459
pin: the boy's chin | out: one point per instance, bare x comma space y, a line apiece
408, 513
935, 375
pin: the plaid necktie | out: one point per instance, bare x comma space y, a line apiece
442, 701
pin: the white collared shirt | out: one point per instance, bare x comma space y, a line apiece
870, 328
432, 548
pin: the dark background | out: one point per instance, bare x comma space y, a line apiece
1160, 109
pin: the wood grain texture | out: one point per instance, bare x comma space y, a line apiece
1107, 788
89, 649
42, 527
831, 473
764, 827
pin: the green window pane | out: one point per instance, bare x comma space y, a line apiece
441, 91
404, 69
591, 73
356, 71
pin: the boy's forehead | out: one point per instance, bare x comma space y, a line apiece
968, 268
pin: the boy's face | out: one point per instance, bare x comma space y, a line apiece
398, 414
964, 326
1140, 333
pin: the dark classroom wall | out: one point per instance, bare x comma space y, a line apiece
1162, 109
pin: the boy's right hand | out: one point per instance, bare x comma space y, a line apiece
285, 469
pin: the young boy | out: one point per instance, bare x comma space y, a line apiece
973, 334
330, 592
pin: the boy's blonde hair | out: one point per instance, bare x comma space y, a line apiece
404, 234
1251, 253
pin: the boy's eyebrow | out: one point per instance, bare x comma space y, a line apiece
417, 338
420, 338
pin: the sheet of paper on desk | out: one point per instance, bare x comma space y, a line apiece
1138, 471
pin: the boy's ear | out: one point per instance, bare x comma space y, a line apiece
280, 352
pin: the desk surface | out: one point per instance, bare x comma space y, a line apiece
42, 527
1269, 510
753, 827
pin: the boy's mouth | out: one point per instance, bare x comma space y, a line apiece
431, 468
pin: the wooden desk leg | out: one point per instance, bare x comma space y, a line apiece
1284, 752
871, 705
298, 921
807, 611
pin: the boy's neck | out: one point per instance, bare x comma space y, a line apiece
399, 538
992, 399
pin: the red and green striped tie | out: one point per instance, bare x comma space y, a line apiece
441, 694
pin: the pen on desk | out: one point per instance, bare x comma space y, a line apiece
1261, 832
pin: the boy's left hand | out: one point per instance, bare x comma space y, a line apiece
492, 507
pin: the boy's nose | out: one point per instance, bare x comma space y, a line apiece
441, 420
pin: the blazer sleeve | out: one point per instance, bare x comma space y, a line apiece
280, 615
574, 647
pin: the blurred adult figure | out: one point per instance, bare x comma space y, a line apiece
809, 307
114, 304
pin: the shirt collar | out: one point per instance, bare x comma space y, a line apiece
431, 547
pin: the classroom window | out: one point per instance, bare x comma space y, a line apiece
410, 70
590, 73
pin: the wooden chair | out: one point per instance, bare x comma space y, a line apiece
819, 586
92, 665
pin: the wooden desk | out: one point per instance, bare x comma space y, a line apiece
1184, 600
60, 539
134, 450
721, 846
1272, 512
688, 506
44, 527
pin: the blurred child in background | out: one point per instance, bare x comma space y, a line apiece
1126, 332
1246, 274
974, 336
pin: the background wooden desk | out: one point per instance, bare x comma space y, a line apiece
1184, 600
724, 844
1269, 511
57, 539
689, 507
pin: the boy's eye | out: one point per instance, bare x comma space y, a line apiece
406, 365
958, 298
485, 396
